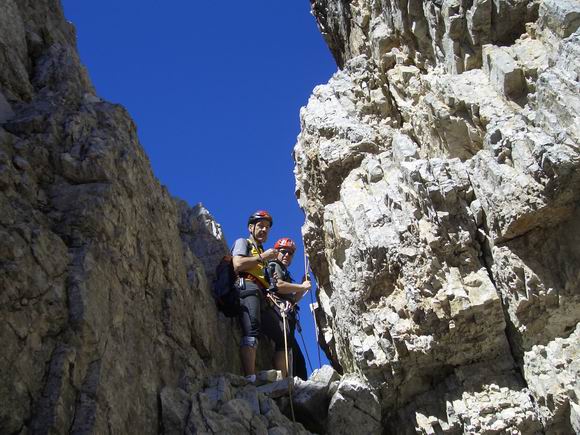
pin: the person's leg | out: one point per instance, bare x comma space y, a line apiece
280, 362
250, 322
272, 327
298, 361
248, 357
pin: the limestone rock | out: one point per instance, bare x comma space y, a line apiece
6, 111
448, 32
225, 404
552, 372
557, 100
278, 388
504, 73
439, 174
354, 408
560, 16
482, 398
311, 400
324, 375
175, 405
105, 278
203, 236
268, 376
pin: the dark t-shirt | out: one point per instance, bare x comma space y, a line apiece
283, 274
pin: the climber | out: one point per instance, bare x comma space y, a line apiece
283, 296
249, 261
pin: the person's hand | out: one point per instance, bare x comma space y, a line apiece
306, 285
269, 254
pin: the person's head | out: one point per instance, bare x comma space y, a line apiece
286, 249
259, 224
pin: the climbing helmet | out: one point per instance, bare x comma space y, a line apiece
260, 215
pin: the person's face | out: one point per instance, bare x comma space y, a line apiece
260, 231
285, 256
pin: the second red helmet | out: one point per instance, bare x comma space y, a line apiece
285, 243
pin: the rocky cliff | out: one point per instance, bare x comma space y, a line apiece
439, 170
106, 311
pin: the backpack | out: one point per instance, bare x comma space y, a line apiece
225, 292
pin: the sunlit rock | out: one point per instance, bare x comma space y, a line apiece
446, 247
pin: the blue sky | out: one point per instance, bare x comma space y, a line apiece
215, 89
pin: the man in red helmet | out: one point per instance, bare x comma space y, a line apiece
284, 295
249, 261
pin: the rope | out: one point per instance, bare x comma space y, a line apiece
305, 261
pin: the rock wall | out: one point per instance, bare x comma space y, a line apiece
439, 171
104, 296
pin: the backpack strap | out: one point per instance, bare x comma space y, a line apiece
252, 244
246, 275
249, 245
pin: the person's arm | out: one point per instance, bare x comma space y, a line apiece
243, 263
298, 296
289, 287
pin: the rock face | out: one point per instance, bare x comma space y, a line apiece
439, 170
439, 173
104, 277
225, 404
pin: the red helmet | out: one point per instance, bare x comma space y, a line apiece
285, 243
260, 215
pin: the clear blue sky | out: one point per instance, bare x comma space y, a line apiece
215, 89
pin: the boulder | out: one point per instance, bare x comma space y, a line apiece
354, 408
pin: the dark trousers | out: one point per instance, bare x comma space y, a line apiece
250, 308
273, 328
298, 362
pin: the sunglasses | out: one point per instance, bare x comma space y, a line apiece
286, 252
